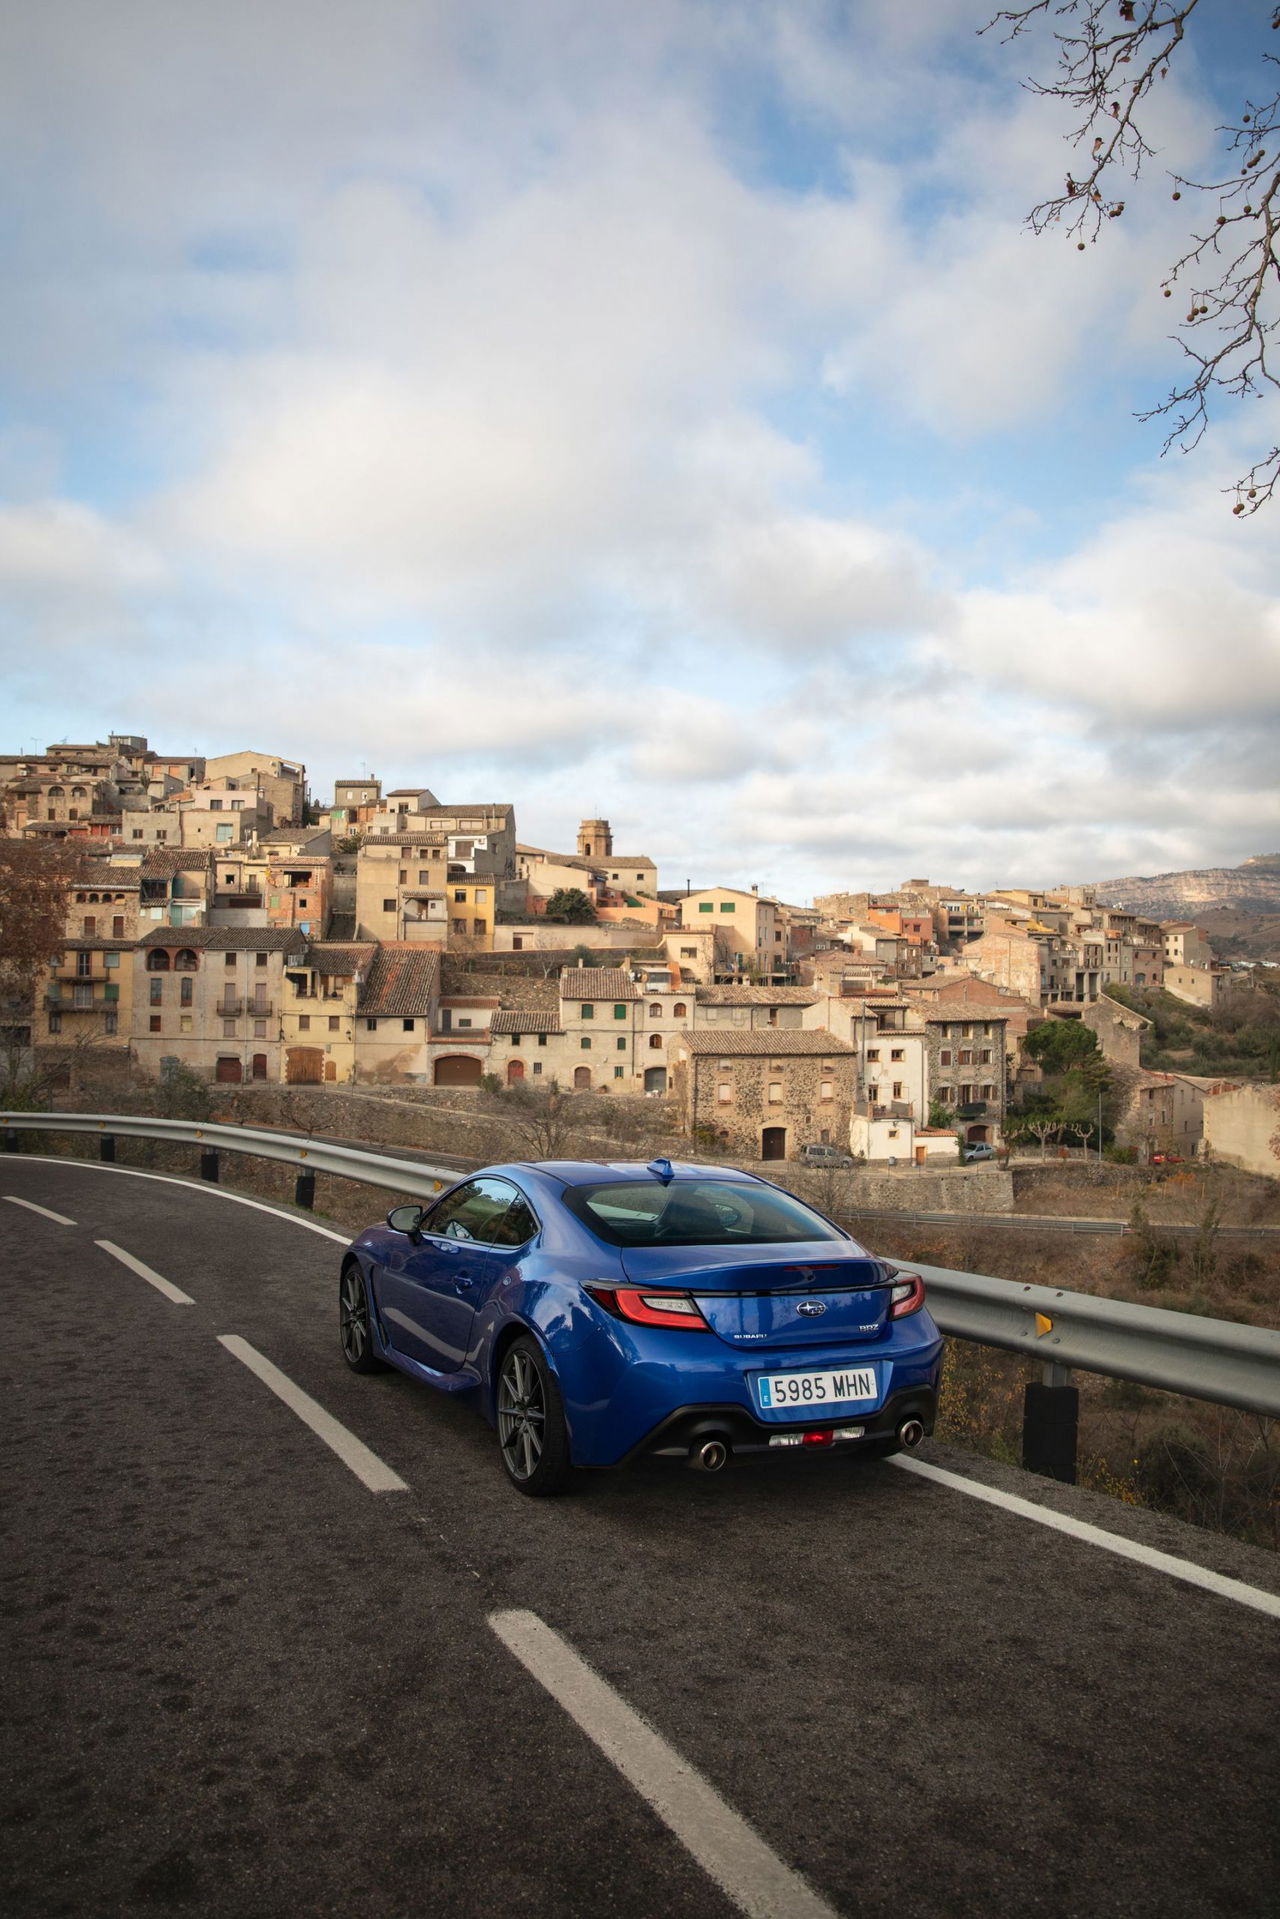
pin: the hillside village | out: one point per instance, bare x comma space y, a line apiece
218, 919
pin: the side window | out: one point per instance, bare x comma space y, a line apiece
472, 1211
517, 1225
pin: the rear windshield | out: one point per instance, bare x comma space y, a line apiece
702, 1212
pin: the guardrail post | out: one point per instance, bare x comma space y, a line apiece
304, 1190
1050, 1418
107, 1148
209, 1163
10, 1140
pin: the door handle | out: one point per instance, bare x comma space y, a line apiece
462, 1281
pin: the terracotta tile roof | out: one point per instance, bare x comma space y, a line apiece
163, 862
757, 996
228, 939
597, 982
401, 979
525, 1022
778, 1042
332, 958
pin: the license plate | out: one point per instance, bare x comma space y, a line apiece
854, 1386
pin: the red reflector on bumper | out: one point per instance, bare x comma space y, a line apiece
818, 1439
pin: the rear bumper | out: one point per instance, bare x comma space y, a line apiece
673, 1437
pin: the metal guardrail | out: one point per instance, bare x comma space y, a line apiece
1211, 1359
308, 1155
1053, 1223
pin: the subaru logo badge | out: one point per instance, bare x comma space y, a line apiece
811, 1308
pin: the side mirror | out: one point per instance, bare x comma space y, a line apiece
406, 1219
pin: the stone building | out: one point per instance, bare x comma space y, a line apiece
212, 997
763, 1094
967, 1069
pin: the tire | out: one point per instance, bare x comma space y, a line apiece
353, 1323
533, 1439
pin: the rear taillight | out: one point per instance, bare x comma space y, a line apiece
650, 1309
907, 1295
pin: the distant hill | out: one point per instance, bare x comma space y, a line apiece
1238, 906
1252, 888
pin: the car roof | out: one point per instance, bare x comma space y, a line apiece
591, 1172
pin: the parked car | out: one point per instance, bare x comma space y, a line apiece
1167, 1159
600, 1315
824, 1156
979, 1150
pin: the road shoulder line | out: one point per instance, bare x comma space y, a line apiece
1149, 1556
161, 1284
354, 1454
730, 1851
196, 1185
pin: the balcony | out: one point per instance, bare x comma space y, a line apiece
67, 1004
235, 1008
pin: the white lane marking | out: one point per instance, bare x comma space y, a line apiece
1176, 1568
721, 1841
45, 1212
162, 1285
353, 1452
196, 1186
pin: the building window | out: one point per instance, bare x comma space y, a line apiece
388, 906
688, 952
228, 959
185, 1022
409, 1025
157, 960
588, 1012
726, 1066
680, 1010
479, 926
896, 1052
110, 1024
371, 1026
465, 1022
55, 1023
157, 991
304, 1022
873, 1052
619, 1072
228, 1029
84, 964
585, 1043
775, 1092
259, 1029
728, 906
185, 990
117, 926
944, 1057
724, 1094
655, 1041
655, 1011
706, 906
826, 1090
154, 1023
873, 1094
537, 1065
90, 926
259, 959
542, 1040
619, 1012
333, 1022
897, 1089
984, 1057
460, 895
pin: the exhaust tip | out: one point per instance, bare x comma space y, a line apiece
910, 1432
708, 1455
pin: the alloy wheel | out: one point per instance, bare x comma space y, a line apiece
521, 1414
354, 1318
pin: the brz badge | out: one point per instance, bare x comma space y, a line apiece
811, 1308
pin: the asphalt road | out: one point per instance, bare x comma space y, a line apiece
240, 1683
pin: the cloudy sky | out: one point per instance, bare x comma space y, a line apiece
651, 410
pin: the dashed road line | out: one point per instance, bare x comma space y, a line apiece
354, 1454
1167, 1563
729, 1850
46, 1212
161, 1284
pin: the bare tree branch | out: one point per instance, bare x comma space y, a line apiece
1111, 56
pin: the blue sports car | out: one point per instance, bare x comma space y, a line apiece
608, 1313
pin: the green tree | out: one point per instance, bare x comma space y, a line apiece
570, 906
1058, 1044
